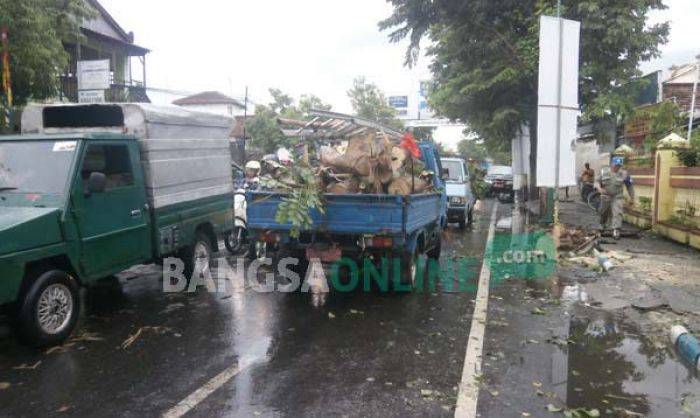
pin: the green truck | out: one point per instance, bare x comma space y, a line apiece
88, 191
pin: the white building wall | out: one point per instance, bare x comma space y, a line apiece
219, 109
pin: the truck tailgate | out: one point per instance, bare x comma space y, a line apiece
366, 214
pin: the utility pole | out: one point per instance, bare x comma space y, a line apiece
552, 213
6, 80
245, 121
695, 93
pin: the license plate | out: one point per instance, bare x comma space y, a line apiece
326, 255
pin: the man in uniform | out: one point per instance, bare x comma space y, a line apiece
611, 187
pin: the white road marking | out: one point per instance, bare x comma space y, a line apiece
469, 386
187, 404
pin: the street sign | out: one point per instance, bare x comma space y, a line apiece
558, 106
398, 102
93, 75
91, 96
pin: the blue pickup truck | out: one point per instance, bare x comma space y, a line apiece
354, 226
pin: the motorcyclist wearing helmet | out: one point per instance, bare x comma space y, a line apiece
252, 175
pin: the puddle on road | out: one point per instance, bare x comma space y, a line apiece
614, 367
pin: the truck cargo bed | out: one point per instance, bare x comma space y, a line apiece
352, 214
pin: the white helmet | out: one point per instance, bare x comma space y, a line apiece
252, 165
284, 156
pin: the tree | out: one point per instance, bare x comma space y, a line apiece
37, 30
282, 104
480, 150
369, 102
485, 55
470, 148
264, 131
309, 102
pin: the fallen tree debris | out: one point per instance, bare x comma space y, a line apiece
624, 233
367, 164
577, 240
649, 302
132, 338
86, 337
25, 366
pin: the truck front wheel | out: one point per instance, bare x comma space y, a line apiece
49, 310
463, 222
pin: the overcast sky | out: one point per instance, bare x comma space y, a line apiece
303, 46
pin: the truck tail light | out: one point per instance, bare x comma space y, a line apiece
270, 238
380, 242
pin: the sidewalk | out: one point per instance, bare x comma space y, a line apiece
658, 286
594, 343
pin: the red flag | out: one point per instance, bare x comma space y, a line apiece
409, 143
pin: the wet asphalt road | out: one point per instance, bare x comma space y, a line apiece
348, 354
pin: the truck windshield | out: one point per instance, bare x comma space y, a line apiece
454, 170
35, 166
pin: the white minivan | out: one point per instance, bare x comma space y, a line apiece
460, 199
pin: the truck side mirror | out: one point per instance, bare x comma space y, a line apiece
445, 174
97, 183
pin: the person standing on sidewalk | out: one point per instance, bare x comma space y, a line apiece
612, 201
587, 180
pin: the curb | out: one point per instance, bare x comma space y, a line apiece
687, 345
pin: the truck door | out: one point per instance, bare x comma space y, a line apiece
113, 223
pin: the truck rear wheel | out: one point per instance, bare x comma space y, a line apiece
197, 257
409, 269
434, 252
299, 268
49, 310
234, 240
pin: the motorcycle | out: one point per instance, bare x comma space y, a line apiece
237, 240
238, 237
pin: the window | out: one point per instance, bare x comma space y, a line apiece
83, 116
454, 170
35, 166
111, 160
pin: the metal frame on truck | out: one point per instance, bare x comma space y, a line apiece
402, 227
